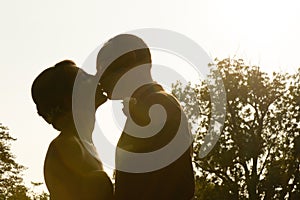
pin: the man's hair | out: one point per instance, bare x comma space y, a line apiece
54, 85
122, 53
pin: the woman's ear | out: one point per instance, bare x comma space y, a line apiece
67, 103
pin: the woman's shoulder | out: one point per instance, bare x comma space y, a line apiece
63, 146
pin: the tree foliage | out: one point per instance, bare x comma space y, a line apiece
257, 154
11, 181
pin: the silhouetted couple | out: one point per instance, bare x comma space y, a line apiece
149, 166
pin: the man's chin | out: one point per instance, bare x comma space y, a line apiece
115, 98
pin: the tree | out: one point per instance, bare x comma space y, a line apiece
38, 196
11, 181
256, 156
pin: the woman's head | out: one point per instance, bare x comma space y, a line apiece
52, 91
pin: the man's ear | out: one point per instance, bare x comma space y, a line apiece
125, 61
132, 57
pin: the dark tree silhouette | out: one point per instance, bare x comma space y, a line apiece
257, 154
11, 181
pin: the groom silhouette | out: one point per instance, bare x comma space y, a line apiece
124, 71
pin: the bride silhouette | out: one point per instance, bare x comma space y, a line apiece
70, 170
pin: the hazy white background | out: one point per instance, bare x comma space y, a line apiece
35, 34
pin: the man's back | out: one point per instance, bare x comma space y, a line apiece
174, 181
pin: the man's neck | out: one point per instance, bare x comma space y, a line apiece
130, 82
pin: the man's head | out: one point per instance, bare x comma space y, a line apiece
119, 55
52, 91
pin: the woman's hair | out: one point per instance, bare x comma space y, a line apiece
53, 88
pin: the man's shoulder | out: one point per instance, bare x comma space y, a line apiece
162, 96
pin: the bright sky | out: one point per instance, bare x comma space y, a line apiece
37, 34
